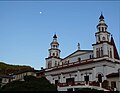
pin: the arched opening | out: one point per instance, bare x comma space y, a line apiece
102, 28
99, 78
110, 53
53, 54
101, 51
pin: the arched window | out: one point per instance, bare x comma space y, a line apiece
53, 54
103, 38
90, 57
98, 37
55, 63
100, 78
79, 59
102, 28
68, 61
101, 51
57, 54
53, 46
105, 28
110, 53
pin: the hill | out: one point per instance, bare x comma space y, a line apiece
6, 69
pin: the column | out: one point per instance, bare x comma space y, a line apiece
78, 75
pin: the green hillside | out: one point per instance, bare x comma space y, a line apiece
6, 69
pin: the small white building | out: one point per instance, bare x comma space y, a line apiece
84, 68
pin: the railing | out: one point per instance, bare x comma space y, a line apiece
72, 83
82, 83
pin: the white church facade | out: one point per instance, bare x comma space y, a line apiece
84, 67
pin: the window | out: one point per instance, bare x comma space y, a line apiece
103, 38
100, 78
70, 81
90, 57
102, 28
54, 46
98, 52
55, 63
110, 53
86, 78
113, 84
49, 64
53, 54
98, 38
79, 59
68, 61
57, 54
56, 82
101, 51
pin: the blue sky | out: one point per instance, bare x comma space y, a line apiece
25, 34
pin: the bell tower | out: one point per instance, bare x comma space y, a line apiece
102, 34
103, 46
54, 54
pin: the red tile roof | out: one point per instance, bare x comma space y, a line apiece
115, 49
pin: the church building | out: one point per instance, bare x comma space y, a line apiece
84, 68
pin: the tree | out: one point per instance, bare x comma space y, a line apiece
31, 83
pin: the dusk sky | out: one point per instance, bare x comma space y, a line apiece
27, 28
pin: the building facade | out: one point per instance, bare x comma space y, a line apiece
84, 68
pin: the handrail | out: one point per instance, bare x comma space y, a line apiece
80, 83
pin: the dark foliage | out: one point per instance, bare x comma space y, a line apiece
31, 83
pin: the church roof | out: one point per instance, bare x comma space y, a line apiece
74, 53
115, 49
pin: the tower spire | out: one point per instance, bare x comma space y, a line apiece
54, 53
102, 25
101, 16
55, 36
102, 47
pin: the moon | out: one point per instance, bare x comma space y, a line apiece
40, 12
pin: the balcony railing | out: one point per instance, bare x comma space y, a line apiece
73, 83
82, 83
